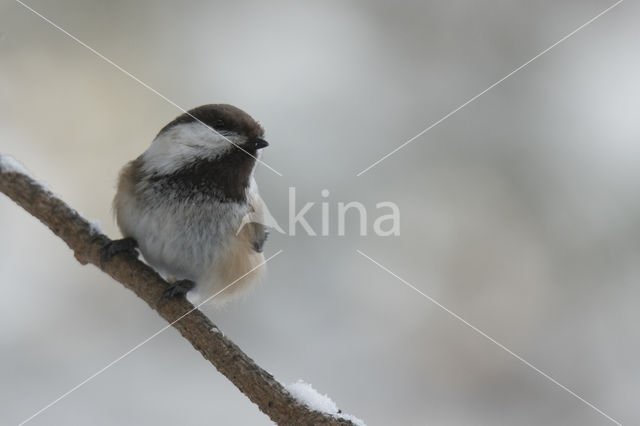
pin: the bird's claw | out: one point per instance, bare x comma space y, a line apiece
112, 248
177, 289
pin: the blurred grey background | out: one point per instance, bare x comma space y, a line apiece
521, 212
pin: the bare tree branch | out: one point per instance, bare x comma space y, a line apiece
256, 383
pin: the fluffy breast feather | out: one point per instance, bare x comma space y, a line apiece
195, 239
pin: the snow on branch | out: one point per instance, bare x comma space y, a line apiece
313, 399
86, 241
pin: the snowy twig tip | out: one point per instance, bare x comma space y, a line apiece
9, 164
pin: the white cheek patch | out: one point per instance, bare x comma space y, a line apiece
183, 144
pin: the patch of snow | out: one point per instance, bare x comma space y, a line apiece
306, 394
216, 330
95, 228
9, 164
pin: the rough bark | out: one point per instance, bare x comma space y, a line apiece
252, 380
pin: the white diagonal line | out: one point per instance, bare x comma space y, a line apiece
494, 341
136, 347
489, 88
136, 79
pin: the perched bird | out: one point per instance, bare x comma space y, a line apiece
183, 201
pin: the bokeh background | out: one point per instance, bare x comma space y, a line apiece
521, 212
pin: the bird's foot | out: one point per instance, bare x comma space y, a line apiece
126, 245
178, 289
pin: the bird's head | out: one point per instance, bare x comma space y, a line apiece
219, 134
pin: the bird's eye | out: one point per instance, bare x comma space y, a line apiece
218, 124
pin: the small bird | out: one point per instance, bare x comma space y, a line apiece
183, 201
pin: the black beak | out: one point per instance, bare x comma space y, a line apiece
258, 143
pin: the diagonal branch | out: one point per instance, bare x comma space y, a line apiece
86, 242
